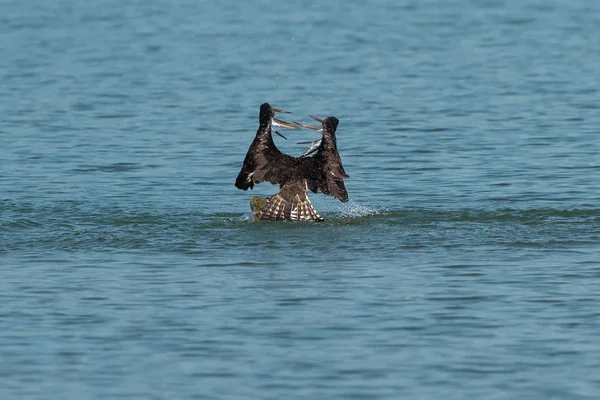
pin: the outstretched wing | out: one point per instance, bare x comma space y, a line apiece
263, 163
326, 174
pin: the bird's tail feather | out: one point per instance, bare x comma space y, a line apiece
296, 208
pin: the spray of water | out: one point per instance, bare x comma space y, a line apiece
354, 210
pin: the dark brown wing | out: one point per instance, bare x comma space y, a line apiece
325, 173
263, 162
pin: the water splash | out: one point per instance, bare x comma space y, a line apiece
247, 217
354, 210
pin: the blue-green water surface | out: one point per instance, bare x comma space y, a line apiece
465, 266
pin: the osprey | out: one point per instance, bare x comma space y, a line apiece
295, 175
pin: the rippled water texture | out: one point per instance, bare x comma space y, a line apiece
465, 266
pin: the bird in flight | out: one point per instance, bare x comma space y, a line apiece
322, 172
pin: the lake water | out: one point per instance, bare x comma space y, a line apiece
465, 266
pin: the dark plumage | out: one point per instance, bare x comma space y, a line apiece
322, 172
